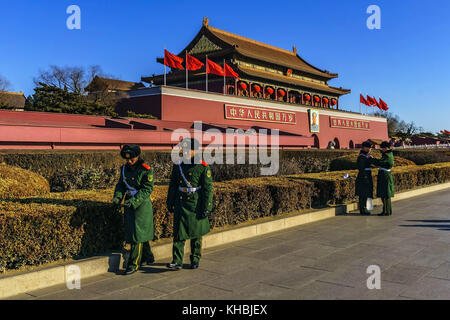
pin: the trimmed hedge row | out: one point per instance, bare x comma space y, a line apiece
39, 230
348, 162
424, 156
332, 188
76, 224
68, 170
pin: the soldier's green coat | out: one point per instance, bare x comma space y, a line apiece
187, 207
139, 217
364, 181
385, 182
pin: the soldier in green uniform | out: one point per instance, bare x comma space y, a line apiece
136, 184
385, 183
190, 200
364, 182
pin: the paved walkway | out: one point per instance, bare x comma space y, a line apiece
322, 260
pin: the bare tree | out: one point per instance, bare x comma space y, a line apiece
398, 127
72, 79
4, 83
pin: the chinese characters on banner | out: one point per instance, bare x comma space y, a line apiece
349, 123
259, 114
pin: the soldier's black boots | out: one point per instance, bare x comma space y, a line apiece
194, 265
174, 266
129, 271
147, 262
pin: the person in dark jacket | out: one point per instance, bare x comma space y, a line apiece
385, 182
189, 199
136, 185
364, 182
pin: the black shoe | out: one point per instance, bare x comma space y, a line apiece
382, 214
367, 213
194, 265
174, 266
129, 271
147, 262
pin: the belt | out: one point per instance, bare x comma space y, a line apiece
384, 169
188, 190
368, 169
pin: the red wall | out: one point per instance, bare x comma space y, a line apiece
189, 109
50, 130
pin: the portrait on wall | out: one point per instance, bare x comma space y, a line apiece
314, 121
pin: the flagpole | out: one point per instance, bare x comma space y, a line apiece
164, 66
206, 73
186, 71
223, 76
360, 110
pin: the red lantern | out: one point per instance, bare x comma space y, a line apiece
269, 90
333, 102
257, 88
243, 85
307, 97
316, 99
281, 92
325, 100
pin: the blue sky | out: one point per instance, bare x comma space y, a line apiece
407, 62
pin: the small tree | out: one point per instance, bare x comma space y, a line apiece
53, 99
4, 83
72, 79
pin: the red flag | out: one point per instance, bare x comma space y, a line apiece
214, 68
172, 60
376, 104
193, 63
383, 105
229, 72
362, 100
370, 101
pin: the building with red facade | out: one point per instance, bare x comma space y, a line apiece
276, 89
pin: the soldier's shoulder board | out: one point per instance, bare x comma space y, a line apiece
146, 166
204, 163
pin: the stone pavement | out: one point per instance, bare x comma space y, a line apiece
322, 260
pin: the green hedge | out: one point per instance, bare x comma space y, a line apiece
75, 224
37, 230
348, 162
68, 170
332, 188
424, 156
17, 182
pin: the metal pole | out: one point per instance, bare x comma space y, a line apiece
164, 65
223, 76
186, 71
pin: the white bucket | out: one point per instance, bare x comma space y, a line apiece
369, 204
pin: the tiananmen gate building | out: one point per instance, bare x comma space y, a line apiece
276, 89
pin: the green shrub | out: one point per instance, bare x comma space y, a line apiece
16, 182
83, 170
82, 223
333, 188
348, 162
421, 157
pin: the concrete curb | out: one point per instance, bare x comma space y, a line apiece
29, 281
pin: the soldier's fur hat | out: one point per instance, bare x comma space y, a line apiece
367, 144
130, 151
190, 143
385, 144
